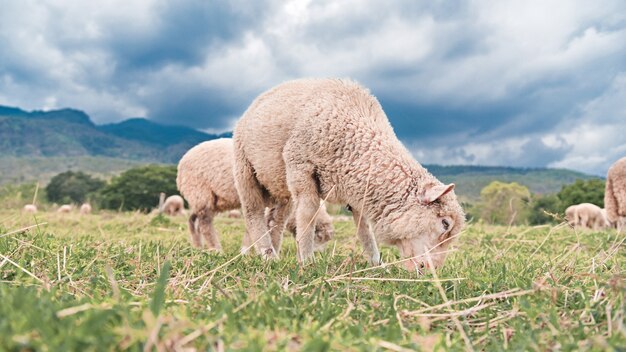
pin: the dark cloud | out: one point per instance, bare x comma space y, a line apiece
184, 33
457, 79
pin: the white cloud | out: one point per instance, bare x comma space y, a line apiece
557, 65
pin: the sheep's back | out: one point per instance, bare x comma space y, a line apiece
205, 172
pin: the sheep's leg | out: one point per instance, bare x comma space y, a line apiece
277, 218
303, 187
367, 238
208, 231
246, 242
196, 240
253, 205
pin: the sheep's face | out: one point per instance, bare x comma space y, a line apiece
424, 230
324, 230
570, 215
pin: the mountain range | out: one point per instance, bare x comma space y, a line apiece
36, 145
71, 133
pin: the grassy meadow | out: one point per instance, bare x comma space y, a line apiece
131, 281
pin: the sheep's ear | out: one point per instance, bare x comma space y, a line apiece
433, 192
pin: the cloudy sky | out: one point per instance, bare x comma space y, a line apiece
520, 83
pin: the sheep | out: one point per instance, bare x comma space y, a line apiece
205, 179
30, 208
615, 194
64, 209
174, 205
326, 138
85, 208
586, 216
589, 216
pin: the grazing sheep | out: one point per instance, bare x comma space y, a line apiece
326, 138
205, 179
30, 208
174, 205
615, 194
586, 216
85, 209
589, 216
65, 208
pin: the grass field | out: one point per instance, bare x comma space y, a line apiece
132, 282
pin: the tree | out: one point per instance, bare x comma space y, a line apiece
503, 203
72, 187
139, 188
588, 191
541, 205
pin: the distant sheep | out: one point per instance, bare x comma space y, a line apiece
586, 216
65, 209
324, 138
205, 179
85, 209
30, 208
590, 216
615, 194
174, 205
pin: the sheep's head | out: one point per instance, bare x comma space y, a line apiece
425, 226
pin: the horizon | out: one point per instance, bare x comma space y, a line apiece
474, 83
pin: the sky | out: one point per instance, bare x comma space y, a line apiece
514, 83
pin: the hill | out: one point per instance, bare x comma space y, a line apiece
36, 145
471, 179
71, 133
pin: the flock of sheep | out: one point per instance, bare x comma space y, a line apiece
311, 141
84, 209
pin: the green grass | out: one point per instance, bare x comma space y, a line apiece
132, 282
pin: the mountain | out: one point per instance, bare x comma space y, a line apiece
71, 133
471, 179
36, 145
143, 130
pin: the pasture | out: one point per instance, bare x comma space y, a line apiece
131, 281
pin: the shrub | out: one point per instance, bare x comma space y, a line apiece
139, 188
541, 206
72, 187
588, 191
504, 203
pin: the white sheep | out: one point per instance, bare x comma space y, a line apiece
85, 208
30, 208
590, 216
65, 209
586, 216
205, 179
615, 194
327, 138
174, 205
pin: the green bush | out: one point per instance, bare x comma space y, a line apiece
504, 203
139, 188
16, 196
542, 207
588, 191
72, 187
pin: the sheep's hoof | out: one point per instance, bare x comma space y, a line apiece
269, 254
376, 260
